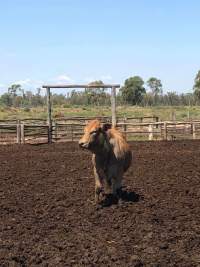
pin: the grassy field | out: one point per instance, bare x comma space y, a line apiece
164, 113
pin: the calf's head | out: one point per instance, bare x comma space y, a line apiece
94, 135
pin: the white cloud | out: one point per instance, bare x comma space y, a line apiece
2, 85
23, 82
28, 83
106, 77
39, 82
64, 78
89, 79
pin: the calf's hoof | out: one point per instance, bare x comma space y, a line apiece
98, 194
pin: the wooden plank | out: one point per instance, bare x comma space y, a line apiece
81, 86
137, 124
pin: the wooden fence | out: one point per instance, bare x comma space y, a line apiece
37, 131
108, 119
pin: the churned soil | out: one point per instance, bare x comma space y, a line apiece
48, 216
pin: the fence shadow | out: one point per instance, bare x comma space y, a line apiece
38, 144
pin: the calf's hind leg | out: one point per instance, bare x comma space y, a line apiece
107, 185
115, 177
116, 185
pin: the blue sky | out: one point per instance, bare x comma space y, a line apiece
76, 41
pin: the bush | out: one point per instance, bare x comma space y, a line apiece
67, 106
26, 109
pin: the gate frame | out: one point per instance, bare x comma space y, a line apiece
71, 86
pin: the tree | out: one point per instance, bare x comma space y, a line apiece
155, 85
172, 99
17, 94
14, 89
196, 87
133, 90
96, 95
6, 100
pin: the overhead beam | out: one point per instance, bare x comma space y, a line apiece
82, 86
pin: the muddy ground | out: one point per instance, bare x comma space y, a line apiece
48, 218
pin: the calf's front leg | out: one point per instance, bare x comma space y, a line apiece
98, 185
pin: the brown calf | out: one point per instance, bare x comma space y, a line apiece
111, 156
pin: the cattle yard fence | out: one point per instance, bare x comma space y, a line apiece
35, 131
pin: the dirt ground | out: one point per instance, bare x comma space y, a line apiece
48, 218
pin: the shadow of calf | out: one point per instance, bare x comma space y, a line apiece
122, 195
129, 196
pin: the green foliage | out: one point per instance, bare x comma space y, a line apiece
58, 99
67, 106
17, 97
91, 96
155, 85
163, 112
133, 90
197, 86
27, 109
14, 89
168, 99
132, 93
96, 96
6, 100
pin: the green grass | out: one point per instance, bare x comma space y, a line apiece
164, 113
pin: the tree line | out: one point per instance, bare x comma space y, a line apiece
135, 91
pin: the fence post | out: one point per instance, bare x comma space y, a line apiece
173, 116
165, 130
18, 132
124, 126
188, 114
22, 134
72, 133
160, 129
157, 119
150, 132
55, 131
141, 121
193, 131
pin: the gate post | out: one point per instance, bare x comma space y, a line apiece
18, 132
49, 119
113, 106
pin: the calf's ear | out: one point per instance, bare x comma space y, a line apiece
106, 126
